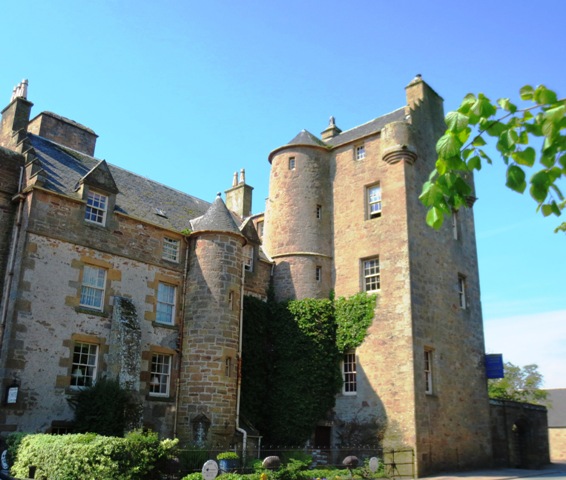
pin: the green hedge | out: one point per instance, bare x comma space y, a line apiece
91, 457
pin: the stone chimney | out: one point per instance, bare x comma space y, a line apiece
15, 117
331, 131
64, 131
239, 197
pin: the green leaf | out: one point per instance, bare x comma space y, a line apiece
456, 121
516, 179
540, 183
525, 157
483, 107
448, 145
435, 218
544, 96
479, 141
555, 114
547, 210
474, 163
527, 92
505, 104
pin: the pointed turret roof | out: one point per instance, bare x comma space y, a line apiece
307, 138
217, 219
303, 139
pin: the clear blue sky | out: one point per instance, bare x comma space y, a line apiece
187, 92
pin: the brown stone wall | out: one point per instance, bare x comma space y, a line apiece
453, 420
47, 320
385, 370
557, 440
54, 247
62, 217
211, 336
257, 282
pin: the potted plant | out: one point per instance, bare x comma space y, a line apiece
227, 461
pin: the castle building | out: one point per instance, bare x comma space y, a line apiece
107, 273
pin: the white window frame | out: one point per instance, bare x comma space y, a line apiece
84, 365
96, 208
360, 152
166, 303
374, 201
349, 373
93, 287
248, 252
170, 249
160, 375
318, 273
428, 370
319, 212
462, 292
292, 163
371, 274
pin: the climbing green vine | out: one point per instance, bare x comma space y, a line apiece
291, 360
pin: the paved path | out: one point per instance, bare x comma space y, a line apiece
555, 470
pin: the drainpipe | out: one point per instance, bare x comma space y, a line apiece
12, 259
239, 375
181, 336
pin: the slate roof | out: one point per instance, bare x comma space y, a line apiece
557, 408
368, 128
217, 218
373, 126
137, 196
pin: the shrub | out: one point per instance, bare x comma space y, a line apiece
90, 456
95, 413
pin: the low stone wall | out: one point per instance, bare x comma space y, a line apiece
519, 434
557, 438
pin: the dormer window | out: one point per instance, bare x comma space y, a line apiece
96, 208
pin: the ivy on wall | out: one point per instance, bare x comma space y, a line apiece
291, 361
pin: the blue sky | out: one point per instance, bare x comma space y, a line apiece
188, 92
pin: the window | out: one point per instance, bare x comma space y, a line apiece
228, 367
96, 206
92, 290
318, 274
291, 163
249, 258
428, 370
319, 211
166, 303
462, 291
349, 373
83, 370
160, 375
260, 229
360, 152
371, 275
231, 300
455, 225
170, 249
374, 201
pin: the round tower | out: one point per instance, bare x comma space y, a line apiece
211, 335
298, 219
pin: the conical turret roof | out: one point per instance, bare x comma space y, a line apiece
217, 219
307, 138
